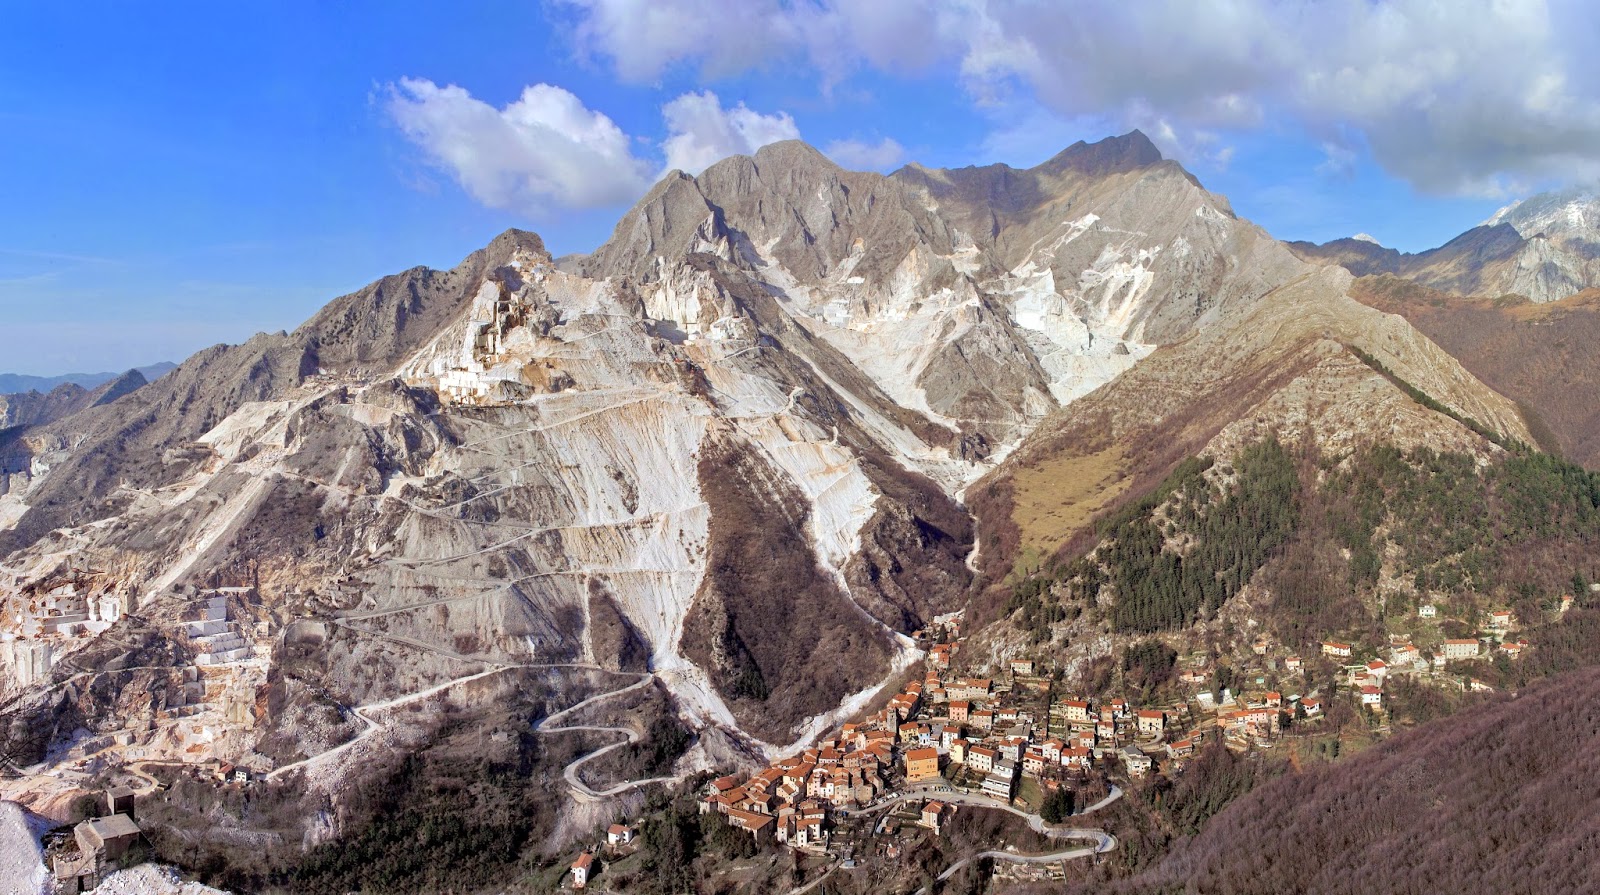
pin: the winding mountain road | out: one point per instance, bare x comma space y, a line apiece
954, 797
570, 772
1104, 842
364, 713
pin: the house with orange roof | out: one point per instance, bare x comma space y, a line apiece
759, 826
767, 779
1033, 761
720, 802
1152, 722
982, 759
899, 709
1453, 650
1077, 711
809, 833
933, 815
1077, 758
756, 803
921, 764
581, 869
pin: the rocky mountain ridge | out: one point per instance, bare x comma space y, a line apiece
19, 383
1544, 248
727, 450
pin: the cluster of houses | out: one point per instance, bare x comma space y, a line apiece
791, 800
934, 731
619, 840
976, 735
1367, 681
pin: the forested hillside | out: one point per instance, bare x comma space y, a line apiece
1340, 544
1546, 357
1498, 799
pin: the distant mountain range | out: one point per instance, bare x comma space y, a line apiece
16, 383
1543, 248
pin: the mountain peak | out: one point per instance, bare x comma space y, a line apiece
511, 240
1575, 210
792, 152
1113, 155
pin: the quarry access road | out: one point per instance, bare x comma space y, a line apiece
570, 772
1104, 842
427, 647
801, 890
631, 736
363, 713
137, 769
1037, 823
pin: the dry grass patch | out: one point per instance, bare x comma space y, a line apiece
1057, 496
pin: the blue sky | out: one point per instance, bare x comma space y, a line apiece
189, 173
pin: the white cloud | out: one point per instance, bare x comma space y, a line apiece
1338, 160
860, 156
701, 132
645, 37
1461, 97
545, 149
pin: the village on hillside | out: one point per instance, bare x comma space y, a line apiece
965, 732
963, 737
